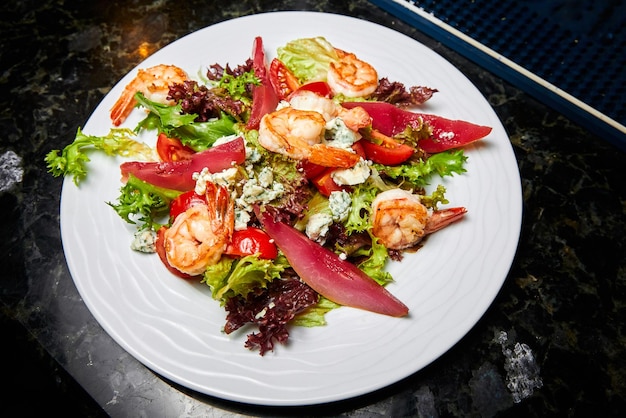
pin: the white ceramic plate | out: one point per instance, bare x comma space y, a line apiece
174, 327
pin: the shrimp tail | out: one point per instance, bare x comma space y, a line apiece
123, 106
153, 83
221, 210
442, 218
332, 157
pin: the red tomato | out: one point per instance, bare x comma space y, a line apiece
311, 170
184, 202
319, 87
325, 183
264, 99
160, 249
358, 148
178, 175
282, 79
252, 241
171, 149
389, 152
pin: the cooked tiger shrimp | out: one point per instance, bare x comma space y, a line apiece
153, 82
354, 118
298, 134
400, 220
351, 76
199, 236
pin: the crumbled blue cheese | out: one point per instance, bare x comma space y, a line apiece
342, 136
225, 178
339, 203
352, 176
266, 177
254, 191
317, 226
144, 241
242, 218
259, 189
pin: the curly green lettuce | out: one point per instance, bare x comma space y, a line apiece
420, 172
232, 277
73, 159
143, 203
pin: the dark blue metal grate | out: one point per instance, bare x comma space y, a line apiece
578, 46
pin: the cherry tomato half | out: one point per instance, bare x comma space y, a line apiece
325, 183
252, 241
184, 202
389, 152
282, 79
171, 149
320, 88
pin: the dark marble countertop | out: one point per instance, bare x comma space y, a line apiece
556, 326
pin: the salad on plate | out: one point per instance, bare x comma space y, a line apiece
285, 186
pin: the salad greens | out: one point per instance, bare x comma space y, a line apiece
308, 58
169, 119
143, 203
74, 157
235, 281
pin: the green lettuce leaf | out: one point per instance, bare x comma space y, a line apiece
197, 135
237, 277
143, 202
308, 58
74, 157
315, 315
419, 173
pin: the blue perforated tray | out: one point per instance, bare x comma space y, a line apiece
570, 54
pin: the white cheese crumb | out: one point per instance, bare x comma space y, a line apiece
144, 241
352, 176
342, 136
317, 226
339, 204
261, 313
225, 178
447, 135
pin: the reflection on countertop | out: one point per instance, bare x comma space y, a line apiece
552, 343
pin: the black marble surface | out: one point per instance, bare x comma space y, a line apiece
563, 305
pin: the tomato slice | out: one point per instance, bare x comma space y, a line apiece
282, 79
389, 152
252, 241
184, 201
318, 87
160, 249
358, 148
325, 183
310, 170
171, 149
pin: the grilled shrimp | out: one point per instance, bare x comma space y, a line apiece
199, 236
351, 76
354, 118
400, 220
153, 82
298, 134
